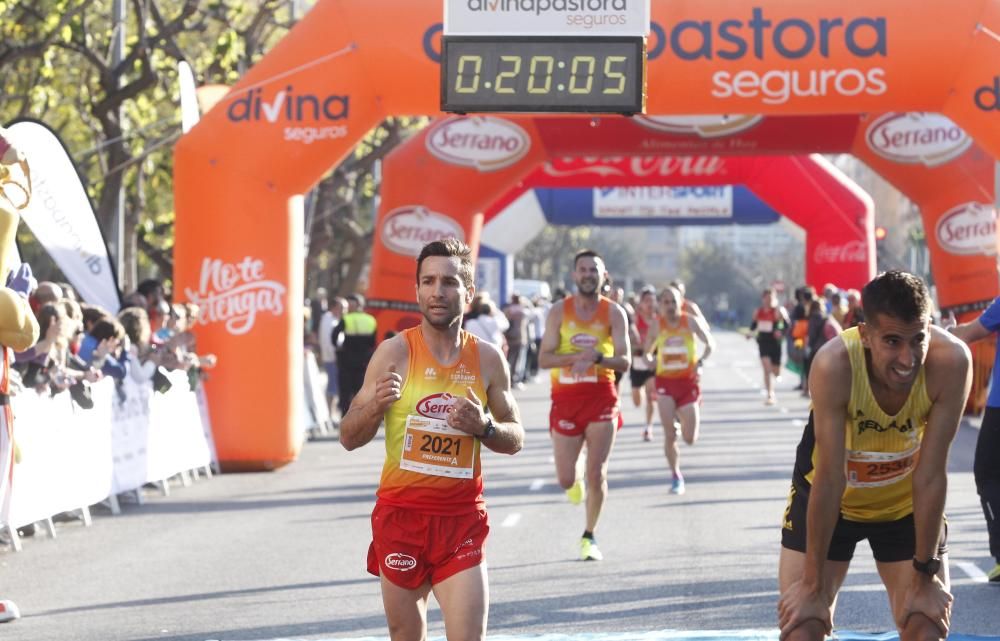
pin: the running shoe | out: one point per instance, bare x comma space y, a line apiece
647, 434
994, 575
677, 486
771, 400
9, 612
589, 551
577, 493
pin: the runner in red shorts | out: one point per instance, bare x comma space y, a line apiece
677, 374
585, 343
428, 383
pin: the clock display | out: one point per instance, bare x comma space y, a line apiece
543, 74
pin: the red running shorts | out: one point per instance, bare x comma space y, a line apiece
684, 390
571, 416
408, 548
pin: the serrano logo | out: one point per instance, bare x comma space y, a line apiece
436, 406
486, 144
583, 340
927, 138
289, 107
235, 294
708, 126
968, 229
854, 251
407, 229
400, 561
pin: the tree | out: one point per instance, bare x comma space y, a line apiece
712, 276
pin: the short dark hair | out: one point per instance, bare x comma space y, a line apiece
586, 253
449, 248
898, 294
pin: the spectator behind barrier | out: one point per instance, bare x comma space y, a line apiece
102, 348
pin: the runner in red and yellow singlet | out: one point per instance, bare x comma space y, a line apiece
641, 374
432, 385
585, 343
770, 321
677, 375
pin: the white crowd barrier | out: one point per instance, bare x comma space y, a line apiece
72, 458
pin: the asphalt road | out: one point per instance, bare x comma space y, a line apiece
282, 555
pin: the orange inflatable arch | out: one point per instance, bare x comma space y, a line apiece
240, 173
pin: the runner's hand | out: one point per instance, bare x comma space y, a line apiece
583, 362
799, 604
388, 388
467, 414
929, 598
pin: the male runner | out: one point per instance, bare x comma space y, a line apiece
887, 398
642, 373
429, 525
678, 368
770, 321
585, 343
986, 462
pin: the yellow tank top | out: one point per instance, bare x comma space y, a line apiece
430, 468
676, 356
575, 335
882, 450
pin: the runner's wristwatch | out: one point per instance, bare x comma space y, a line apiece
929, 567
491, 429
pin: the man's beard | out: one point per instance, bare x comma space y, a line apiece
582, 288
443, 322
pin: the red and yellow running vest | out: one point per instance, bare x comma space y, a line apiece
675, 349
575, 335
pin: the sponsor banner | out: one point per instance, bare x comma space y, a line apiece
190, 113
663, 202
707, 126
485, 144
968, 229
305, 117
546, 17
407, 229
61, 217
235, 294
853, 251
636, 166
928, 138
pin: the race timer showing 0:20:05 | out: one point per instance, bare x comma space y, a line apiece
539, 74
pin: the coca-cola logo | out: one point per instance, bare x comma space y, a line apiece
583, 340
968, 229
705, 126
487, 144
917, 137
853, 251
407, 229
637, 166
436, 405
235, 294
400, 561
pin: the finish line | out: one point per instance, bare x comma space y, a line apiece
674, 635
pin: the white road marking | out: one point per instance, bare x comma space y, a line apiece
511, 520
971, 570
783, 410
536, 485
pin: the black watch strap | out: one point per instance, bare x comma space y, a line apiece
929, 567
491, 429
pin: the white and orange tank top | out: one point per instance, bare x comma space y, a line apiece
430, 467
676, 356
882, 450
576, 335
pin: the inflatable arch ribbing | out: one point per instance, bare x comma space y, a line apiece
345, 67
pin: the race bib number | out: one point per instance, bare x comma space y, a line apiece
431, 447
567, 377
765, 326
674, 358
878, 469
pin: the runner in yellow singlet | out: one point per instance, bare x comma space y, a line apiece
887, 399
432, 385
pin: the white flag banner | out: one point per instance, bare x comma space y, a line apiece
190, 114
61, 217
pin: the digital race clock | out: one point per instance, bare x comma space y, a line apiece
535, 73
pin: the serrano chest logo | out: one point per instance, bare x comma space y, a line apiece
968, 229
436, 406
583, 340
407, 229
927, 138
486, 144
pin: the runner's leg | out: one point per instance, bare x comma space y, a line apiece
896, 576
600, 438
667, 405
791, 566
405, 611
566, 451
690, 416
465, 604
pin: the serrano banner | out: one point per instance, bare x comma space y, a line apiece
333, 77
62, 219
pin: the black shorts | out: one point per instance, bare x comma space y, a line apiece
890, 541
770, 348
640, 376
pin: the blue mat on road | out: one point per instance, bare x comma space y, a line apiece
681, 635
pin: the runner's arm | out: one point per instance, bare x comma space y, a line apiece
382, 387
509, 435
622, 358
705, 334
970, 332
547, 357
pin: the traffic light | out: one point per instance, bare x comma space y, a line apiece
880, 233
